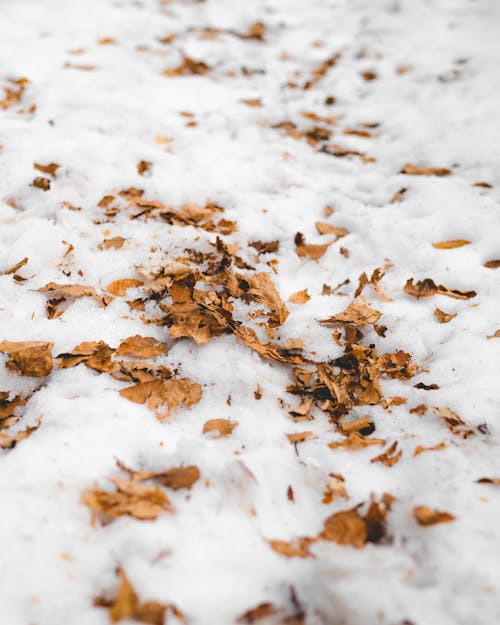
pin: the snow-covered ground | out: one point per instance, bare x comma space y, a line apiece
283, 113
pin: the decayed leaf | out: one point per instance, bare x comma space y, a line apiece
8, 441
455, 423
492, 264
448, 245
443, 317
126, 605
303, 250
358, 313
299, 548
299, 437
325, 228
120, 287
420, 448
141, 347
261, 611
69, 290
95, 355
425, 171
489, 480
390, 456
427, 516
222, 426
172, 393
28, 358
300, 297
427, 288
356, 441
114, 243
130, 498
50, 169
335, 488
143, 167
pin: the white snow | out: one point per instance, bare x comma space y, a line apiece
211, 557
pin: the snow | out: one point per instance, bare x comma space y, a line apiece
212, 557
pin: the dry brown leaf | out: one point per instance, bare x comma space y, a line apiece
120, 287
326, 228
358, 313
425, 171
9, 441
346, 527
126, 605
303, 250
427, 288
172, 393
28, 358
144, 503
420, 448
398, 196
495, 335
492, 264
302, 411
427, 516
489, 480
114, 243
390, 456
356, 425
143, 167
300, 297
15, 267
261, 611
299, 548
141, 347
41, 183
69, 290
223, 427
443, 317
448, 245
95, 355
356, 441
455, 423
374, 281
50, 169
188, 67
299, 437
262, 290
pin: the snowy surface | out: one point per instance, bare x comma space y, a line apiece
211, 557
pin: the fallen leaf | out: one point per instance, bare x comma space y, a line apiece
398, 196
9, 441
448, 245
120, 287
455, 423
141, 347
390, 456
492, 264
495, 335
299, 548
143, 167
427, 516
157, 393
95, 355
346, 527
425, 171
50, 169
358, 313
174, 478
69, 290
261, 611
15, 267
115, 243
299, 437
489, 480
443, 317
326, 228
126, 605
262, 290
427, 288
28, 358
300, 297
144, 503
304, 250
356, 441
222, 426
420, 448
41, 183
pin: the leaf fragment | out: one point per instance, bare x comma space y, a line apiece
300, 297
428, 516
443, 317
448, 245
299, 548
425, 171
119, 288
223, 427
